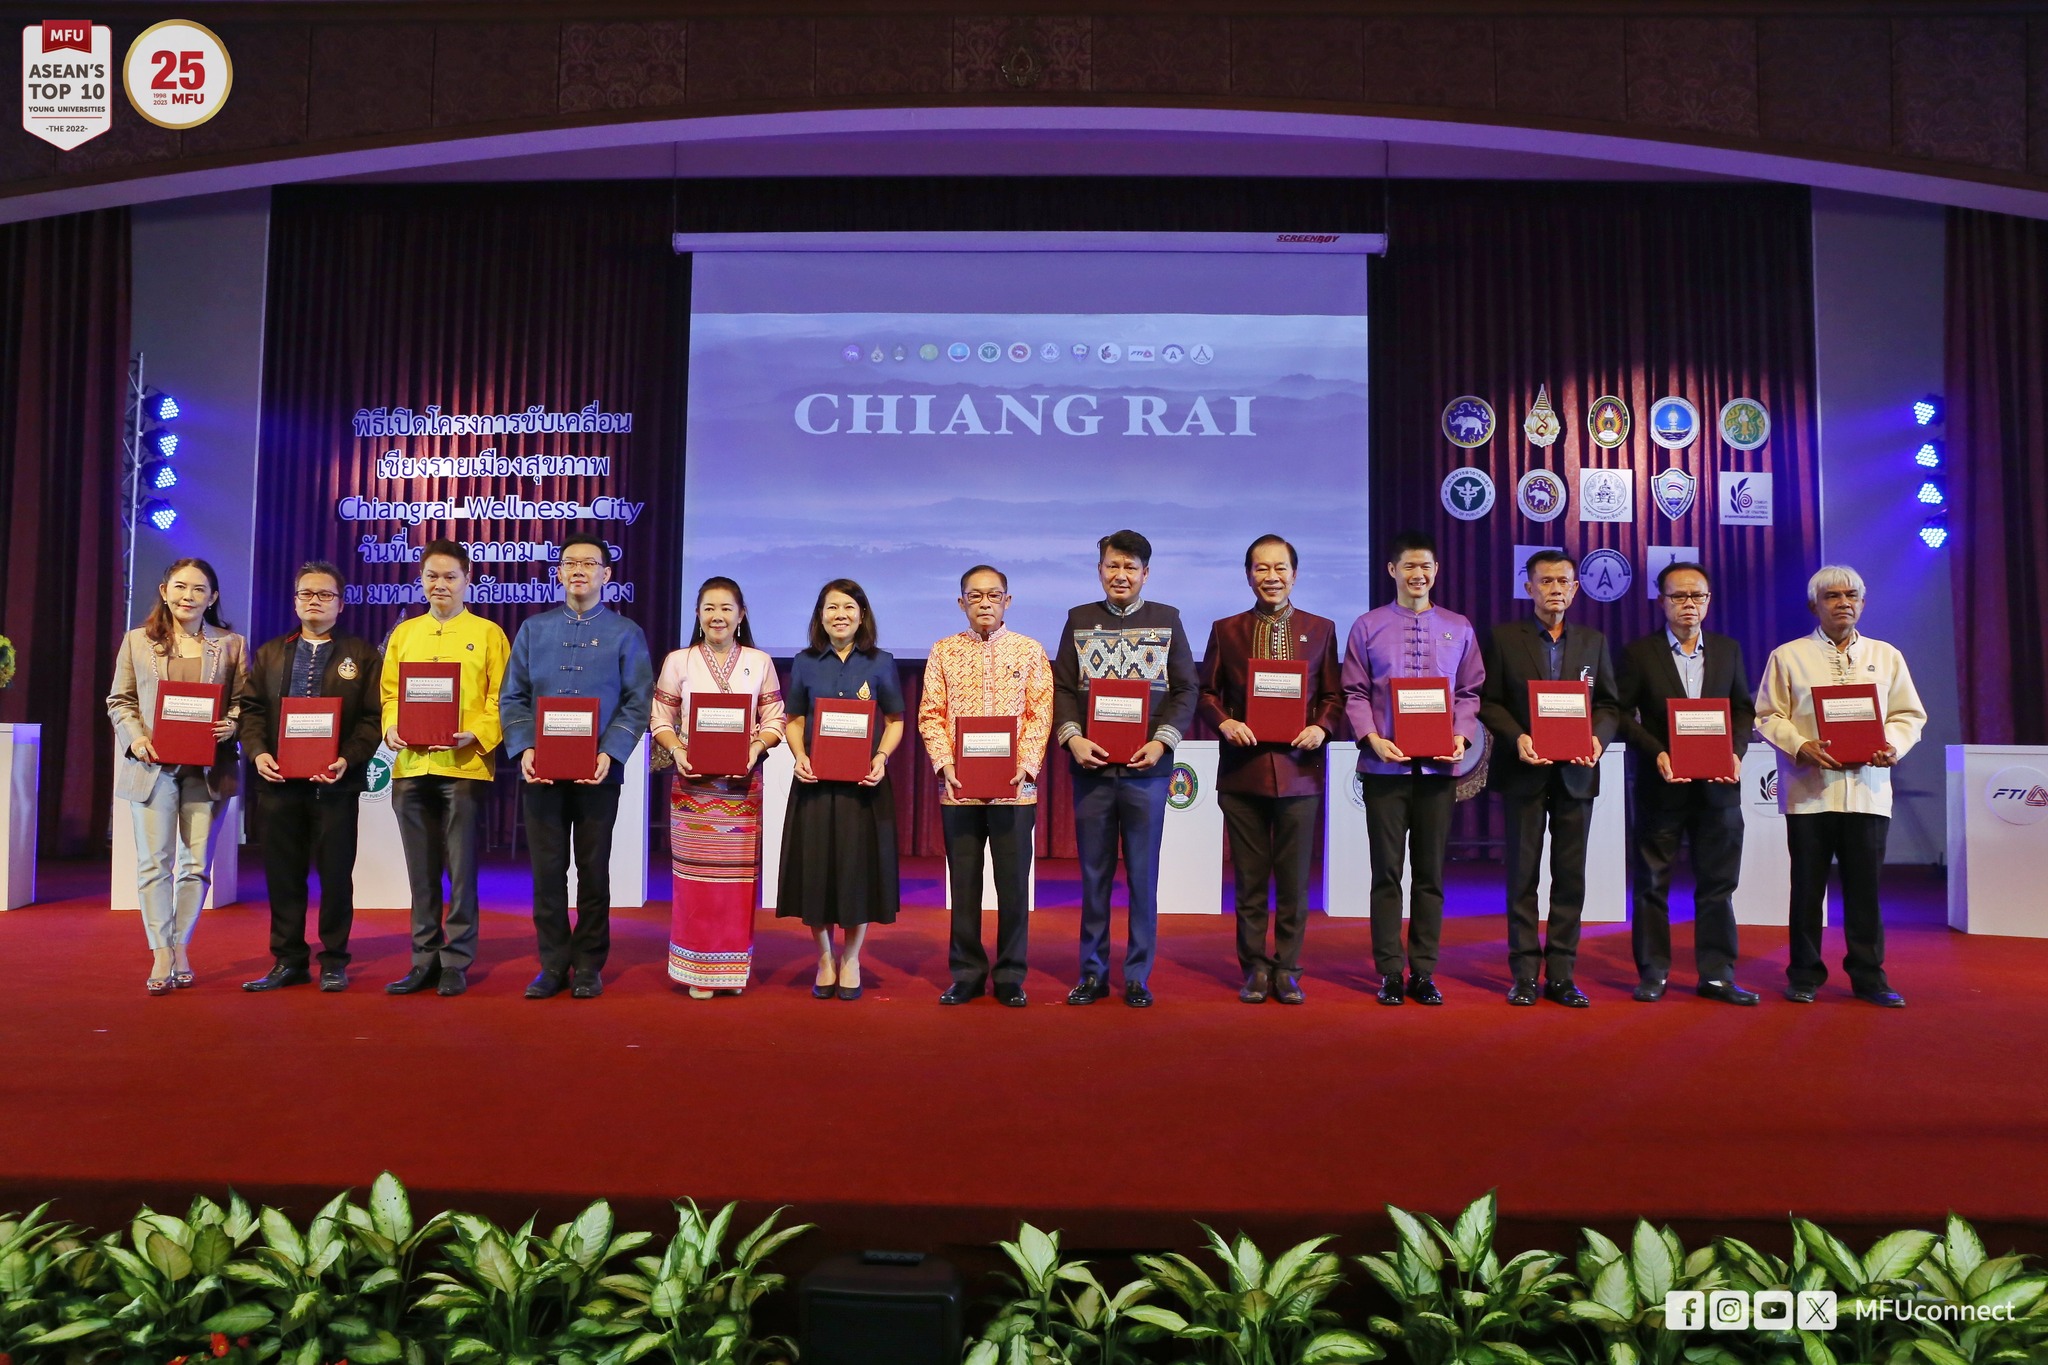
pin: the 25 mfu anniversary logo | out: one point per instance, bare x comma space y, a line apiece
177, 75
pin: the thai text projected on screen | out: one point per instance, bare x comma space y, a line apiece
897, 418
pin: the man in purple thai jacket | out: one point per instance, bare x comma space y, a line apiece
1271, 794
1408, 802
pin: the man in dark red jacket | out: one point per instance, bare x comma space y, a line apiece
1271, 793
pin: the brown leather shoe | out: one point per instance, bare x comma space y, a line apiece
1287, 988
1258, 984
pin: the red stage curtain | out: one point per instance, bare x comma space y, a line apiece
1997, 382
63, 379
1593, 289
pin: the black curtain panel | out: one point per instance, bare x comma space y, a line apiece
1997, 395
63, 378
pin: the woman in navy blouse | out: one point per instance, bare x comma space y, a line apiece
839, 842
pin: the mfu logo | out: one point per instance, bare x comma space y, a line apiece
2018, 796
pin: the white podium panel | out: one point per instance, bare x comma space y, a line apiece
629, 836
1191, 844
226, 887
1764, 895
1347, 857
21, 759
778, 775
1997, 852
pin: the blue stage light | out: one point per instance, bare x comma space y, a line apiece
160, 514
1928, 411
1934, 533
1932, 493
159, 475
160, 406
166, 442
1929, 455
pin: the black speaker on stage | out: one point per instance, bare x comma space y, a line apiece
880, 1308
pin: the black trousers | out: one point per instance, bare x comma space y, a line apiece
1855, 842
1716, 836
562, 817
439, 821
1568, 818
307, 824
1005, 832
1272, 846
1407, 822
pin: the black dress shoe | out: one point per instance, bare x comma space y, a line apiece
1888, 999
960, 992
546, 986
1566, 993
1258, 984
1287, 988
1010, 993
1802, 995
1728, 992
1088, 990
278, 977
1137, 995
416, 980
454, 981
585, 984
1422, 990
333, 979
1522, 993
1649, 992
1393, 989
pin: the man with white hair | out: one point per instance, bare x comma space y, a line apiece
1836, 812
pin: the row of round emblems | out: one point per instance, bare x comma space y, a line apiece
1745, 423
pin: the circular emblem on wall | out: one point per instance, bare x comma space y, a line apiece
177, 73
1745, 423
1674, 423
377, 775
1183, 789
1605, 575
1607, 422
1540, 495
1357, 788
2018, 796
1468, 421
1468, 493
990, 351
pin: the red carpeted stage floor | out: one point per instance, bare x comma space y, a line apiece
895, 1121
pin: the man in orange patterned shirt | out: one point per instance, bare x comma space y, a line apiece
987, 670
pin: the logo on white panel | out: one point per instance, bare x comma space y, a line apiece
1744, 498
1519, 570
1607, 495
1656, 558
67, 81
1140, 353
177, 73
1109, 353
1200, 353
2018, 796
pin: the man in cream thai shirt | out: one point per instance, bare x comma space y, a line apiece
1836, 813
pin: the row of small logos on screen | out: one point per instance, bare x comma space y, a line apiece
1744, 423
1808, 1310
988, 352
1743, 497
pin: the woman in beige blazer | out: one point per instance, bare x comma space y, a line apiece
173, 807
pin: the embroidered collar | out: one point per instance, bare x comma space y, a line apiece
1115, 610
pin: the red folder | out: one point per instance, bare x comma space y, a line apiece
308, 735
985, 757
185, 714
1850, 719
721, 733
1276, 699
1702, 738
565, 738
1561, 719
841, 738
1120, 716
429, 704
1422, 717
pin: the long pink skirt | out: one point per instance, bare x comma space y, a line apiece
714, 833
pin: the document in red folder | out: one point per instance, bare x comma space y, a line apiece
985, 757
1119, 716
429, 704
841, 738
308, 735
565, 738
1561, 719
1702, 745
1276, 699
1422, 717
185, 715
721, 734
1850, 719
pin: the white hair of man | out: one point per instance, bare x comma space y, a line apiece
1832, 576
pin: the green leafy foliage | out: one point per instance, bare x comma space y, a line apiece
1058, 1312
1459, 1304
691, 1305
1264, 1312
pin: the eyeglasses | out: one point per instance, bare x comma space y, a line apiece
1687, 596
584, 564
322, 597
986, 596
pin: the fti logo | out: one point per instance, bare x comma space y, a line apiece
2018, 795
